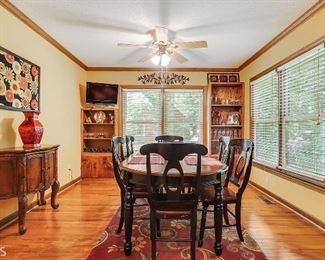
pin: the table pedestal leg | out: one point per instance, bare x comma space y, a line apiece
128, 220
218, 217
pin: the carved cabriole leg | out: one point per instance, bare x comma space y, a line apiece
22, 208
42, 200
55, 190
218, 216
128, 218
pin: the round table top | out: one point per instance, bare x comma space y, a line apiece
136, 164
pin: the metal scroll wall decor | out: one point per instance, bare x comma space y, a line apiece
163, 78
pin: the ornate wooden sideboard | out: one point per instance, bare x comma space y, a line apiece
25, 171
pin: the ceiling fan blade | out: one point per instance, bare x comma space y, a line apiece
178, 57
161, 34
148, 56
133, 45
190, 45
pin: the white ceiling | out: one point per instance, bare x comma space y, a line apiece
234, 29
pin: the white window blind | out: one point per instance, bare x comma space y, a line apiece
183, 114
288, 116
265, 118
142, 115
302, 99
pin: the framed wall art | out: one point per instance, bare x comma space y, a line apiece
19, 83
223, 77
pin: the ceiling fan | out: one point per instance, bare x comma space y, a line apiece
163, 49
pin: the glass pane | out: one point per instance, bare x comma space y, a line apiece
303, 123
265, 112
184, 115
142, 115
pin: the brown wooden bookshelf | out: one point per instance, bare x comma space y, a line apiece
98, 126
225, 105
226, 111
226, 126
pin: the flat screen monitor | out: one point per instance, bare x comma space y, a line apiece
101, 93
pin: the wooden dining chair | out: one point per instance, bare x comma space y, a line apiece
223, 149
171, 202
138, 191
169, 138
129, 139
223, 153
240, 165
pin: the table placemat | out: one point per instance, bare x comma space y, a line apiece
140, 159
192, 160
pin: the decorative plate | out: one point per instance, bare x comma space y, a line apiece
99, 117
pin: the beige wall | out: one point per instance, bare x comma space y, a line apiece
59, 100
310, 201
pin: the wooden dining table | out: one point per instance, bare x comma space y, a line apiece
135, 174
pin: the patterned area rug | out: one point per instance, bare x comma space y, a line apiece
110, 245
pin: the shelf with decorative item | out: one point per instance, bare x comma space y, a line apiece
226, 84
98, 126
226, 126
226, 105
112, 124
226, 108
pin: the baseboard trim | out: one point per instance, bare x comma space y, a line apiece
316, 222
14, 216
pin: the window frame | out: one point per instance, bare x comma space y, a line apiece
162, 88
279, 170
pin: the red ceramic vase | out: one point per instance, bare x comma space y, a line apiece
31, 130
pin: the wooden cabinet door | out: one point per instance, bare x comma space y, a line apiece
107, 167
34, 168
50, 165
8, 177
97, 167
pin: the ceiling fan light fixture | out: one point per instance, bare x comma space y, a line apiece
155, 59
162, 60
165, 59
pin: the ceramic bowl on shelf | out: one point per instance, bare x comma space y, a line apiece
99, 117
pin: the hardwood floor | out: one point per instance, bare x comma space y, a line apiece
85, 209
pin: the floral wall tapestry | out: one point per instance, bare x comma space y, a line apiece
19, 82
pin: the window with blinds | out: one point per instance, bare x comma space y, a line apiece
302, 99
265, 117
142, 115
151, 112
183, 114
288, 116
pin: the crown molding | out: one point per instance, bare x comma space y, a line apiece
159, 69
26, 20
300, 20
21, 16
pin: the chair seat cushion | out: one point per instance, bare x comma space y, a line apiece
228, 195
